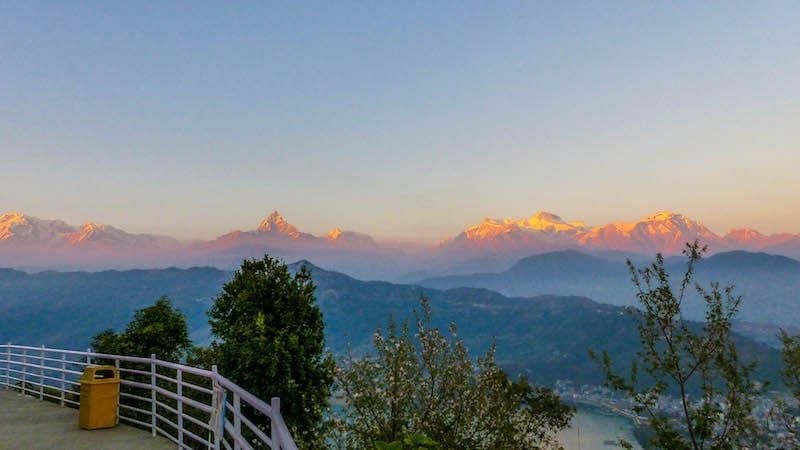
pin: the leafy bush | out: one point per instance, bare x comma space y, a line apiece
159, 329
789, 414
427, 383
413, 441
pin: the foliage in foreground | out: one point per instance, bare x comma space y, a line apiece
676, 356
269, 339
159, 329
789, 414
413, 441
427, 383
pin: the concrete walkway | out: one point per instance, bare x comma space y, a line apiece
31, 424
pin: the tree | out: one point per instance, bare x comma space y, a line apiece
107, 341
269, 339
789, 415
680, 358
427, 385
159, 329
413, 441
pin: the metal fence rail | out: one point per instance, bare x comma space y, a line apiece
194, 408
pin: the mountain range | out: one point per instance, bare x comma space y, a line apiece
769, 284
492, 244
665, 232
275, 229
545, 337
22, 231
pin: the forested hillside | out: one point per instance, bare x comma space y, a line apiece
544, 337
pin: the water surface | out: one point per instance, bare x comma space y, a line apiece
599, 429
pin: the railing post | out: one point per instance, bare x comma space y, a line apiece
119, 396
8, 365
237, 420
24, 369
274, 434
214, 397
153, 393
63, 377
88, 357
41, 373
179, 378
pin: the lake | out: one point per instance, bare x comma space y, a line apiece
599, 429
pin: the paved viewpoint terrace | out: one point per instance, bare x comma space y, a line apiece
31, 424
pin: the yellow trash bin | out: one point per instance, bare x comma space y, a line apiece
99, 397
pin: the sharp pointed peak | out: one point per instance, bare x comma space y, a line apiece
546, 215
664, 215
274, 216
488, 219
334, 234
275, 223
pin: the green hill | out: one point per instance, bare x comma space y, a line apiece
545, 337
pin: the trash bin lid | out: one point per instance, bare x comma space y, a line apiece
100, 374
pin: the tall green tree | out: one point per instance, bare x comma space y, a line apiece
159, 329
702, 365
427, 385
269, 339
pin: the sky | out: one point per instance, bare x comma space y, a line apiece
405, 120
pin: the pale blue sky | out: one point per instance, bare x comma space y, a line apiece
404, 120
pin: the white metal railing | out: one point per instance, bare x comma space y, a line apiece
194, 408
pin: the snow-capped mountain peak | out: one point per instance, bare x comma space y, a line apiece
345, 237
662, 216
664, 231
489, 228
98, 234
334, 234
9, 222
545, 221
540, 223
745, 235
275, 223
751, 239
17, 229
